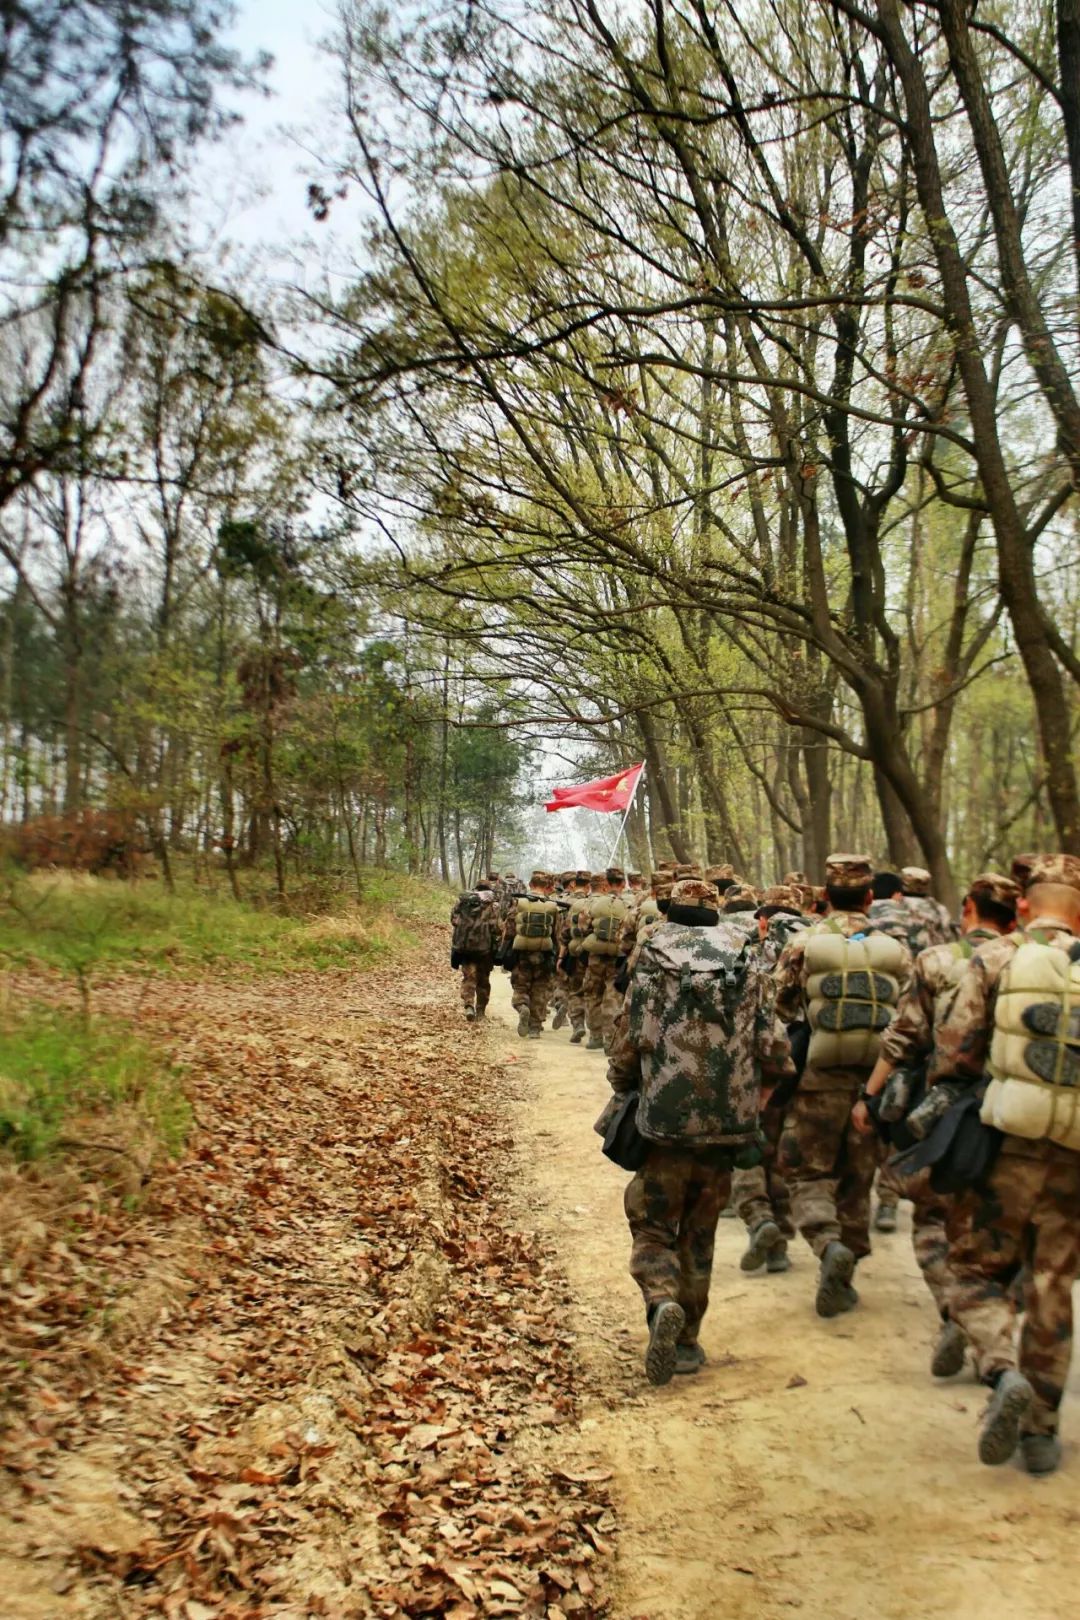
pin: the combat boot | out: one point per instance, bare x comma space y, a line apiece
1041, 1453
763, 1240
470, 1014
559, 1019
948, 1357
666, 1322
577, 1037
1009, 1406
834, 1291
481, 1015
523, 1023
885, 1219
689, 1358
535, 1034
778, 1259
595, 1043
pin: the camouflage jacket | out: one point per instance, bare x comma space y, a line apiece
910, 1037
940, 927
781, 930
962, 1035
791, 968
895, 918
699, 1076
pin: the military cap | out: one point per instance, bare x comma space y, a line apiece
740, 897
686, 869
615, 874
633, 877
1020, 870
509, 874
1063, 869
848, 871
542, 880
784, 896
491, 877
694, 891
666, 866
719, 874
796, 880
993, 886
661, 881
583, 876
567, 877
916, 880
598, 877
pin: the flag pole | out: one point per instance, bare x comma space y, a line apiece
626, 817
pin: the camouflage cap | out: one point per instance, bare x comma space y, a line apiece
694, 891
993, 886
686, 869
740, 897
633, 877
598, 877
916, 880
541, 879
720, 874
1062, 869
491, 877
662, 883
785, 896
615, 874
797, 879
509, 874
582, 875
567, 877
848, 871
666, 866
1020, 870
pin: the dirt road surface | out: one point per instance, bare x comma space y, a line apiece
812, 1467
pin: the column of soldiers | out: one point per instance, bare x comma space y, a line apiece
759, 1039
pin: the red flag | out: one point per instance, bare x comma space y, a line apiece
609, 793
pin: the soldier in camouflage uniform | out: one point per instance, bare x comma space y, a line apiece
532, 973
920, 903
699, 1081
1027, 1210
476, 963
827, 1164
989, 910
602, 1000
565, 888
572, 963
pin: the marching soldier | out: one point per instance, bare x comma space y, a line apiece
528, 944
606, 912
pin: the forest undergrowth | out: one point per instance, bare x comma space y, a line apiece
309, 1365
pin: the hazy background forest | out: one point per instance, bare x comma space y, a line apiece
688, 382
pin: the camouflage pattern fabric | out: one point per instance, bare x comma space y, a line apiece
532, 980
933, 916
575, 990
696, 1061
828, 1166
790, 976
672, 1205
890, 1186
1029, 1211
779, 932
602, 1000
929, 1239
910, 1036
895, 918
762, 1194
476, 983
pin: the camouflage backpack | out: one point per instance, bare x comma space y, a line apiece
692, 1015
473, 923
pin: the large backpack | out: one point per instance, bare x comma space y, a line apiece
852, 988
692, 1020
1034, 1088
535, 924
606, 917
577, 924
473, 922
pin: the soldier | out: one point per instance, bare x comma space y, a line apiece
606, 913
842, 979
473, 942
779, 918
989, 910
635, 886
1014, 1014
573, 929
528, 944
918, 899
890, 914
564, 888
699, 1075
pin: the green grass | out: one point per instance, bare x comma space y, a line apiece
54, 1069
80, 926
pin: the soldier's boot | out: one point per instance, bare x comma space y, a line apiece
481, 1015
778, 1259
559, 1019
578, 1036
523, 1023
666, 1322
689, 1358
949, 1352
1009, 1406
595, 1043
534, 1034
764, 1238
470, 1014
885, 1219
834, 1291
1041, 1453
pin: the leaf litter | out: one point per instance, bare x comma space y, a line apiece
320, 1371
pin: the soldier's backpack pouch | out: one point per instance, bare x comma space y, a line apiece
473, 929
623, 1143
959, 1152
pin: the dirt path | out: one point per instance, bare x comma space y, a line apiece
747, 1492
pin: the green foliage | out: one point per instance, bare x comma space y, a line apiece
54, 1068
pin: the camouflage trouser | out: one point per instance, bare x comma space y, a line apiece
558, 993
476, 983
575, 991
1028, 1216
762, 1194
532, 979
828, 1166
890, 1187
603, 1002
673, 1204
